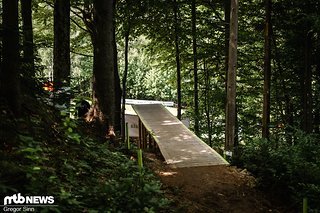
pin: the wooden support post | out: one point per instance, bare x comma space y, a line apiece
127, 136
153, 142
140, 134
150, 141
144, 137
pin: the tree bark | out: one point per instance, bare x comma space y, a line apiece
177, 54
10, 81
104, 87
317, 100
61, 66
226, 37
124, 81
288, 117
28, 53
267, 72
231, 80
207, 102
117, 84
195, 68
61, 49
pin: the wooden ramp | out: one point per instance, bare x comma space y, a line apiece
179, 146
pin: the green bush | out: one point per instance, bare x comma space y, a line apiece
82, 174
290, 170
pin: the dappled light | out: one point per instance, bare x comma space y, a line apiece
223, 96
168, 173
170, 122
178, 145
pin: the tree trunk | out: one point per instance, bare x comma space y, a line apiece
288, 116
226, 37
117, 84
177, 53
28, 54
104, 87
307, 86
61, 49
10, 82
317, 98
207, 102
231, 80
195, 68
124, 81
267, 72
0, 53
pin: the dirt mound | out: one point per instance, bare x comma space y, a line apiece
210, 189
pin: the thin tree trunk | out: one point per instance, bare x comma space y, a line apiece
28, 54
226, 37
124, 81
195, 68
231, 80
288, 118
118, 91
10, 82
207, 102
177, 53
267, 72
317, 99
0, 56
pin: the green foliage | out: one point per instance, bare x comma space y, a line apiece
289, 170
146, 78
80, 172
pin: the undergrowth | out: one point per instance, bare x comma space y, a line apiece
288, 170
43, 153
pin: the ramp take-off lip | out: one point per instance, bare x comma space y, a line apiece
179, 146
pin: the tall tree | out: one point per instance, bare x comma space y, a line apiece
28, 54
61, 50
124, 79
267, 71
118, 91
231, 79
127, 26
195, 68
317, 98
117, 82
226, 35
177, 55
207, 106
104, 94
10, 83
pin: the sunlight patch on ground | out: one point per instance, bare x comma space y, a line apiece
168, 173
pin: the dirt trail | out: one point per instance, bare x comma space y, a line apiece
210, 189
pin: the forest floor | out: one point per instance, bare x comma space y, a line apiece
210, 188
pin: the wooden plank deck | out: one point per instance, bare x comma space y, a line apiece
179, 146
